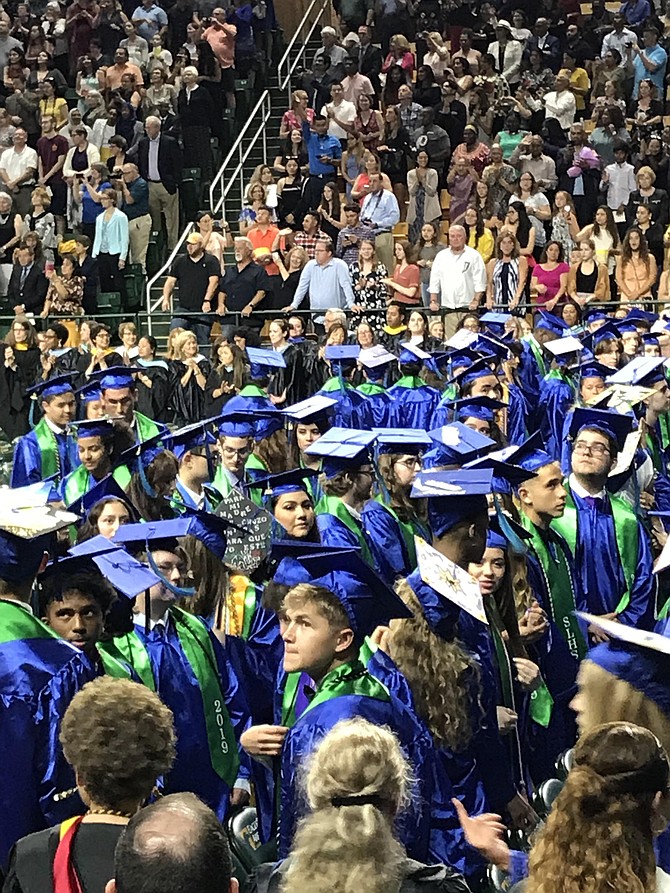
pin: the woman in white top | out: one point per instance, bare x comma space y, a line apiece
437, 56
507, 52
604, 234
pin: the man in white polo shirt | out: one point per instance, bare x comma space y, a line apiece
457, 280
18, 168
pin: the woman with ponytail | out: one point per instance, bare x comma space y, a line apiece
357, 785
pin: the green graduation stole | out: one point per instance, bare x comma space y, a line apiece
336, 384
348, 679
333, 505
410, 383
195, 640
146, 427
626, 533
16, 622
503, 661
371, 388
252, 390
78, 484
536, 350
408, 531
49, 457
289, 697
558, 581
130, 649
114, 667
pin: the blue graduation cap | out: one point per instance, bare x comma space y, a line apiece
594, 369
458, 444
401, 440
236, 424
625, 327
644, 317
491, 348
342, 356
614, 425
495, 322
190, 437
479, 369
412, 353
482, 407
103, 427
107, 488
594, 315
116, 377
465, 356
546, 320
286, 482
52, 387
607, 331
285, 555
505, 533
453, 496
534, 460
314, 410
264, 362
367, 600
126, 574
640, 658
505, 473
642, 371
342, 449
89, 393
651, 339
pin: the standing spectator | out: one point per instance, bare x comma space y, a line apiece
214, 243
88, 269
150, 19
221, 36
41, 221
317, 83
7, 42
457, 280
636, 270
546, 43
368, 277
406, 279
262, 236
579, 81
290, 120
65, 293
111, 243
52, 149
499, 176
380, 211
134, 202
86, 195
79, 19
426, 91
340, 113
507, 52
461, 182
618, 179
24, 104
80, 157
122, 65
650, 61
326, 279
189, 371
424, 201
325, 152
410, 111
394, 151
478, 235
472, 149
507, 274
355, 84
18, 169
52, 104
289, 194
28, 285
351, 235
647, 193
335, 53
137, 46
529, 157
11, 227
400, 56
635, 12
550, 277
330, 210
578, 176
621, 39
310, 235
197, 275
109, 27
560, 102
434, 139
610, 131
537, 206
159, 161
242, 288
370, 59
196, 111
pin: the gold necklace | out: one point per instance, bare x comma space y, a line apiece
103, 811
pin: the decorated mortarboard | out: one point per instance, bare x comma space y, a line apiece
342, 355
643, 371
546, 320
481, 407
285, 482
249, 531
27, 521
458, 444
479, 369
366, 599
116, 377
640, 658
401, 440
89, 393
412, 353
447, 585
190, 437
613, 424
376, 357
461, 339
107, 488
264, 362
495, 322
103, 427
561, 348
342, 449
453, 496
313, 409
52, 387
126, 574
620, 397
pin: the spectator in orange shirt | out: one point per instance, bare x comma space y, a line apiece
114, 74
221, 37
262, 236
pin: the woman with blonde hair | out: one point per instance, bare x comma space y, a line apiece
41, 221
357, 784
368, 276
292, 119
189, 371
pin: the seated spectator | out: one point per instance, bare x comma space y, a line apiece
101, 355
152, 382
128, 335
112, 781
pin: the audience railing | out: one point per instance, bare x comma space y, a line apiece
152, 308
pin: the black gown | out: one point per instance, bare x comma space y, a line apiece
188, 403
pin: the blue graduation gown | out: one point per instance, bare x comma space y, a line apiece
600, 570
39, 676
334, 532
411, 406
177, 685
348, 401
257, 660
519, 413
390, 551
556, 397
316, 722
530, 374
373, 413
27, 463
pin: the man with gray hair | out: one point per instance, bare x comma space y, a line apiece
159, 160
174, 845
457, 280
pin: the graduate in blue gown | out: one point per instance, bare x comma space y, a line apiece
459, 650
377, 364
348, 474
183, 661
350, 402
557, 394
119, 398
534, 362
391, 520
412, 403
478, 413
344, 602
47, 451
308, 420
610, 547
592, 376
39, 676
195, 448
556, 587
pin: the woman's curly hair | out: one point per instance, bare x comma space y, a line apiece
119, 738
351, 847
444, 679
598, 836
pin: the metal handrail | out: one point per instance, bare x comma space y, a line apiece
263, 108
285, 84
163, 270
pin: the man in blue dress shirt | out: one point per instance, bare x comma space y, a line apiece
380, 211
324, 153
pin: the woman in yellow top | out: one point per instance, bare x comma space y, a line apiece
53, 105
478, 236
580, 83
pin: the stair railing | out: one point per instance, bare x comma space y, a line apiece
313, 16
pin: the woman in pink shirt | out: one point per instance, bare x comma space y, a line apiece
400, 54
290, 120
550, 277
